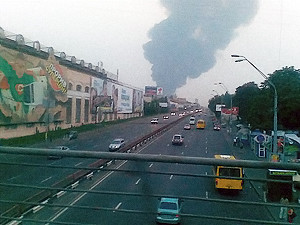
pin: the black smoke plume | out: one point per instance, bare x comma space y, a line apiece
184, 44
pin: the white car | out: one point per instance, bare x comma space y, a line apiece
116, 144
61, 148
154, 120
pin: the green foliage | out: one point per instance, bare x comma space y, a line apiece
256, 104
244, 98
153, 108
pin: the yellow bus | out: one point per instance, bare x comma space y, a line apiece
232, 172
200, 124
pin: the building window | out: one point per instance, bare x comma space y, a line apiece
69, 111
78, 87
70, 86
78, 110
86, 110
87, 89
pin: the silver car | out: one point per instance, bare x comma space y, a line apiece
116, 144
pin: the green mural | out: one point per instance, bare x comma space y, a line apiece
31, 89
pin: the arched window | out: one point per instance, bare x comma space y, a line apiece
78, 87
70, 86
87, 89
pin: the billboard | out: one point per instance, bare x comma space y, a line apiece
150, 90
125, 96
31, 89
137, 102
101, 95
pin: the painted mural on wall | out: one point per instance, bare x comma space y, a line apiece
30, 88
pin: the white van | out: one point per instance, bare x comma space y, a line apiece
192, 121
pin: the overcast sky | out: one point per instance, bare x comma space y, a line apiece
126, 35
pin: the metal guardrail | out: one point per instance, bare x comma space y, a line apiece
102, 161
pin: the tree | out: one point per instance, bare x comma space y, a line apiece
244, 98
287, 83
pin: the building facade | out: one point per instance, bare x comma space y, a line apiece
43, 90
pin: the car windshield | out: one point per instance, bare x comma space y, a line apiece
168, 205
177, 137
117, 142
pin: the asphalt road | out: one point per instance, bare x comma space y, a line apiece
105, 208
95, 140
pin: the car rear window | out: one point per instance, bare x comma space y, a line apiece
168, 205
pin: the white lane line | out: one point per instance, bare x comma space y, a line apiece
78, 164
82, 195
12, 178
205, 173
118, 206
46, 179
150, 165
206, 195
138, 181
171, 177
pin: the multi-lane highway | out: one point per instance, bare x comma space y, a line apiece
94, 207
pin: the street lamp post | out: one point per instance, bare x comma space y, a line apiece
226, 89
243, 58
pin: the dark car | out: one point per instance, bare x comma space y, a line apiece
177, 139
73, 135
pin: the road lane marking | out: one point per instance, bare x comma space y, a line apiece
171, 177
206, 194
46, 179
138, 181
150, 165
78, 164
12, 178
118, 206
82, 195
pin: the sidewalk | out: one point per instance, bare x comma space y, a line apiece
248, 154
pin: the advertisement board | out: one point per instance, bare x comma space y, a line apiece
101, 95
137, 102
150, 90
125, 95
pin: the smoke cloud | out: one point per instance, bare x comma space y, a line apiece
184, 44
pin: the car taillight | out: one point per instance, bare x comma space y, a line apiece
177, 215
